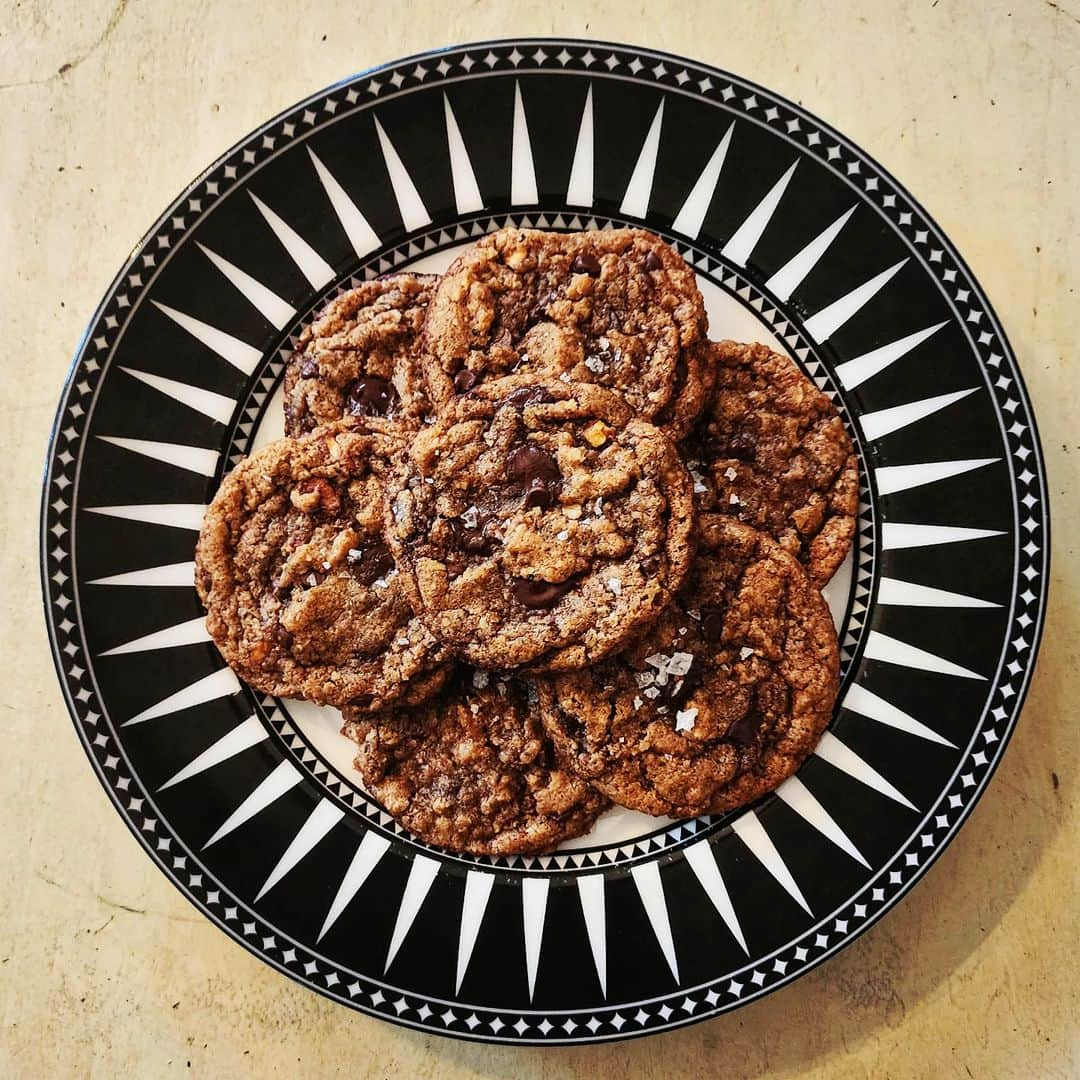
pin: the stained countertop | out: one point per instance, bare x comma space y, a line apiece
109, 108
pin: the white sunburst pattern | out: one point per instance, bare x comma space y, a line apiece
932, 823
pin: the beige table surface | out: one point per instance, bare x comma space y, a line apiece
106, 110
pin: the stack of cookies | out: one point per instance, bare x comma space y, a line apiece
545, 544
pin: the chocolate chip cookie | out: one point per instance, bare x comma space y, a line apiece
302, 595
618, 308
720, 700
473, 771
770, 449
539, 524
361, 356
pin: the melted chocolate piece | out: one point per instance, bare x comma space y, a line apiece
739, 446
650, 565
586, 263
539, 310
528, 395
540, 594
464, 381
529, 462
370, 396
456, 567
309, 368
712, 624
474, 539
653, 261
538, 494
373, 562
745, 730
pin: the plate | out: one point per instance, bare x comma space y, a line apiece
249, 804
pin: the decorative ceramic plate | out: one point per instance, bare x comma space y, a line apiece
249, 803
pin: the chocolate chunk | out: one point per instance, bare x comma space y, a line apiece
372, 563
539, 309
456, 567
370, 396
652, 261
586, 263
464, 380
745, 730
739, 446
538, 494
529, 395
284, 638
540, 594
309, 368
712, 623
474, 538
650, 565
529, 462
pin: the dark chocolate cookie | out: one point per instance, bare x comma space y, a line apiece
473, 771
302, 595
361, 356
538, 524
770, 449
718, 702
618, 308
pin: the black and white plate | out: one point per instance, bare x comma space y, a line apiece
249, 804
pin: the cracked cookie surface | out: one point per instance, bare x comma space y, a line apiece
720, 700
473, 771
770, 450
539, 524
302, 595
619, 308
361, 356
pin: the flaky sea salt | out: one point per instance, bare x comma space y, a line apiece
680, 662
614, 586
651, 693
745, 653
595, 364
563, 535
684, 719
480, 679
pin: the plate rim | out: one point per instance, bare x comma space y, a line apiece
1021, 389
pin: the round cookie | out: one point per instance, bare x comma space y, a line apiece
770, 449
301, 591
361, 356
472, 771
538, 524
618, 308
720, 700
